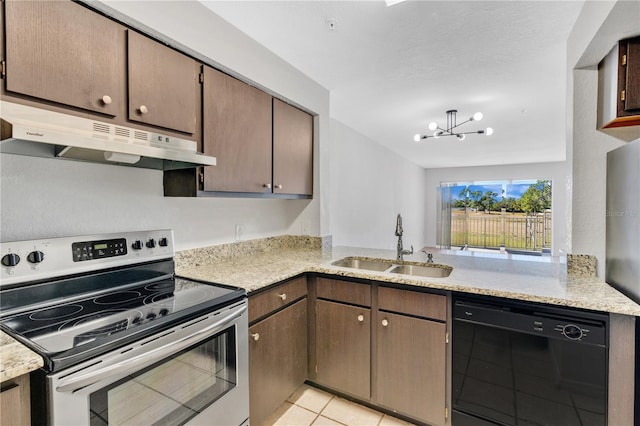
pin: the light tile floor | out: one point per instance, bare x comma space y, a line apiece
310, 406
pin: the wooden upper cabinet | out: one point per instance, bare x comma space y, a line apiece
629, 77
292, 150
65, 53
237, 131
163, 85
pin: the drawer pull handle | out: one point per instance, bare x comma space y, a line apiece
267, 185
278, 186
385, 323
255, 336
283, 296
361, 318
106, 99
143, 109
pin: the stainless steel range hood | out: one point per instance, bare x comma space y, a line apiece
36, 132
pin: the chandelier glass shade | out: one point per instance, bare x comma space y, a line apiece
452, 128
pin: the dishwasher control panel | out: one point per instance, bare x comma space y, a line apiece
543, 320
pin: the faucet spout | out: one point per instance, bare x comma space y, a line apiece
400, 251
399, 226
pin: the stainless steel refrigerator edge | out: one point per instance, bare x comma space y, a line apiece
622, 268
623, 220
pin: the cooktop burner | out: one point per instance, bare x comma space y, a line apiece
55, 312
117, 298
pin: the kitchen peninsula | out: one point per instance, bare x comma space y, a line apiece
275, 270
273, 260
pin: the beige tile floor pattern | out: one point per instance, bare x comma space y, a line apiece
310, 406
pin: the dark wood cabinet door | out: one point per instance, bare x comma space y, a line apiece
292, 150
237, 131
631, 75
163, 85
343, 348
62, 52
411, 366
277, 359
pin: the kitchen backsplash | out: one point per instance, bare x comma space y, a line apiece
581, 265
203, 255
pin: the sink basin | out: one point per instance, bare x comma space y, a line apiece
422, 271
371, 265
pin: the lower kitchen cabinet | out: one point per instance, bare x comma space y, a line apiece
385, 346
411, 366
343, 347
14, 401
277, 359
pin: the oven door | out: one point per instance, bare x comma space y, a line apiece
195, 373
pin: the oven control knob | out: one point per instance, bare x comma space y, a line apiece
163, 312
572, 332
137, 245
151, 316
35, 256
137, 320
163, 242
10, 259
151, 243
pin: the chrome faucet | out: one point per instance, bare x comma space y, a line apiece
400, 252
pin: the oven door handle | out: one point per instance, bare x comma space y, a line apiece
73, 382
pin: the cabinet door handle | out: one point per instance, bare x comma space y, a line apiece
106, 99
278, 186
255, 336
361, 318
385, 323
283, 296
143, 109
267, 185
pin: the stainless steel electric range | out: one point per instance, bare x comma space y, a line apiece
123, 339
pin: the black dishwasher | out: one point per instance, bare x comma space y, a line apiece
519, 363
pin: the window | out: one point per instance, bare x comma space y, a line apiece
511, 216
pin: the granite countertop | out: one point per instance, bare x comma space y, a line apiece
536, 280
540, 279
16, 359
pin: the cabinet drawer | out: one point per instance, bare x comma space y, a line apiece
413, 303
263, 303
344, 291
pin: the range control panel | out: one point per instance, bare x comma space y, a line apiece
89, 250
25, 261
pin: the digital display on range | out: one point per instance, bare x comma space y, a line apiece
89, 250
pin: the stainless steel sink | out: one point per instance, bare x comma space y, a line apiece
423, 271
394, 267
356, 263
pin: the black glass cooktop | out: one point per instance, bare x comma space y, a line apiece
73, 319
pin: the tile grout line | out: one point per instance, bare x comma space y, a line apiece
327, 404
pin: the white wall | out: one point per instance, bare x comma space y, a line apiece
557, 172
47, 197
598, 28
370, 185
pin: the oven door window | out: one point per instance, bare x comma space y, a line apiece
172, 391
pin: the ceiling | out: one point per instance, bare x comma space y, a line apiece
393, 69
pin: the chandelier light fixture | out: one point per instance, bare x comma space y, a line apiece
452, 128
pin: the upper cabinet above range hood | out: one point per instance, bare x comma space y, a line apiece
37, 132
